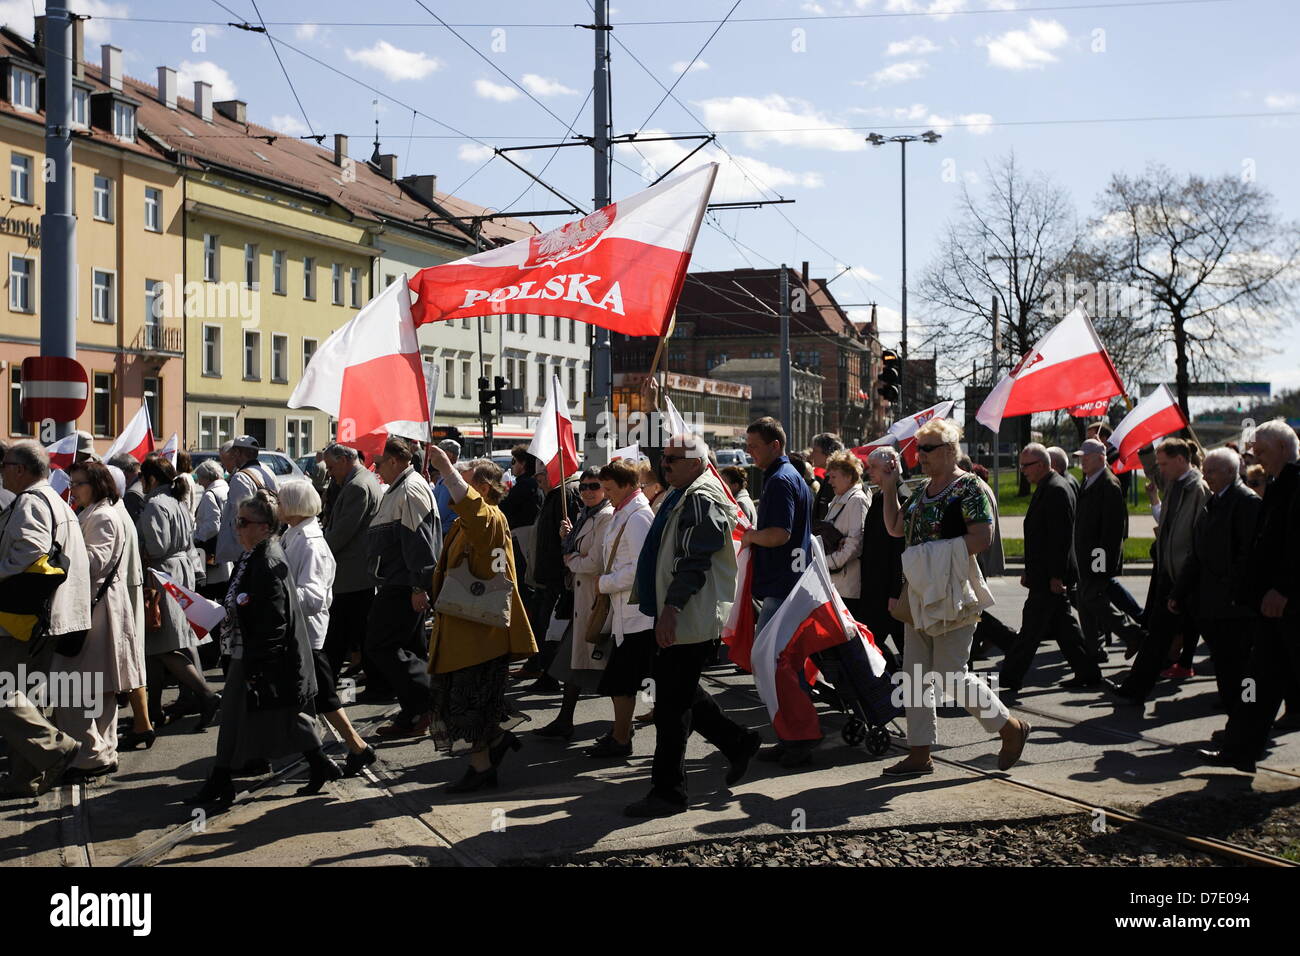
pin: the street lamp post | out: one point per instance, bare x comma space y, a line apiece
875, 139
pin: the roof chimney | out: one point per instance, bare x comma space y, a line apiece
111, 66
167, 87
425, 187
203, 100
340, 149
236, 110
388, 165
803, 273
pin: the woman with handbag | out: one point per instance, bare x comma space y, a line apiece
266, 711
846, 515
579, 663
951, 504
479, 625
112, 655
166, 531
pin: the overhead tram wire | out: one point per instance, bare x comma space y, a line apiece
698, 53
283, 69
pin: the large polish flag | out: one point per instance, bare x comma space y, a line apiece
621, 267
811, 618
136, 441
368, 375
1067, 367
1154, 417
553, 443
902, 434
202, 613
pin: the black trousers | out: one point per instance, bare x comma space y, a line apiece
540, 610
1153, 656
349, 613
682, 706
395, 649
1098, 616
1230, 641
1274, 666
210, 653
1047, 616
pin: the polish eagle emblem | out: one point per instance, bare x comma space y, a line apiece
570, 240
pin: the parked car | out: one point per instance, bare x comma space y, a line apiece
306, 464
280, 464
733, 456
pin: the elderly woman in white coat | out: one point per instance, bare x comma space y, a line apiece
110, 660
312, 564
847, 512
633, 652
166, 544
578, 665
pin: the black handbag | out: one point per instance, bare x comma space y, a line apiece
262, 690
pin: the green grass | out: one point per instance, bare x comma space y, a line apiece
1135, 549
1010, 503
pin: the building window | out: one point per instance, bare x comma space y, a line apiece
102, 296
279, 357
81, 108
308, 277
523, 324
557, 328
103, 199
124, 121
252, 355
153, 209
250, 265
354, 281
20, 178
510, 323
152, 392
21, 271
298, 437
102, 413
211, 260
336, 284
212, 350
449, 378
541, 379
487, 324
17, 426
466, 379
215, 430
573, 383
277, 271
22, 89
153, 307
308, 350
389, 279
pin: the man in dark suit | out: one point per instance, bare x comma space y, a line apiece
1100, 528
1213, 577
353, 505
1050, 573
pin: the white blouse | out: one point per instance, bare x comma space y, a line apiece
313, 567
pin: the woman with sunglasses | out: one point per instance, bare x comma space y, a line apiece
575, 665
951, 504
271, 685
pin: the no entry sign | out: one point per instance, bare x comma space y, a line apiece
54, 388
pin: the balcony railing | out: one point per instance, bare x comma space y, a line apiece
160, 338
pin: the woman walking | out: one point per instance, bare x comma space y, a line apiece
469, 658
312, 566
166, 544
951, 505
266, 710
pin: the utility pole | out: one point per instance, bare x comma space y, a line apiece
787, 387
602, 378
58, 225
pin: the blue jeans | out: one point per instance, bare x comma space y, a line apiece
769, 609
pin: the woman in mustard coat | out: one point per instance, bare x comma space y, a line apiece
470, 660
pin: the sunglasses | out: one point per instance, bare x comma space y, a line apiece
930, 448
590, 486
245, 522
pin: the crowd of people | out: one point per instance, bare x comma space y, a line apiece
421, 577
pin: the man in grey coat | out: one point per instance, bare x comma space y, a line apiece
352, 507
38, 752
247, 476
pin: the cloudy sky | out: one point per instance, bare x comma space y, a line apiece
792, 87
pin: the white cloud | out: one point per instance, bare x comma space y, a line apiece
814, 8
681, 66
915, 46
545, 86
495, 91
306, 31
474, 153
289, 125
1028, 49
18, 15
394, 62
732, 185
773, 117
1002, 4
223, 87
899, 72
939, 9
1282, 101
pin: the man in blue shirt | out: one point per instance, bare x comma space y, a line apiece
782, 544
440, 492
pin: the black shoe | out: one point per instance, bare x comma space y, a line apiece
1289, 722
607, 746
216, 789
207, 712
369, 696
474, 780
556, 730
80, 775
137, 738
254, 768
1100, 656
1080, 683
546, 684
749, 746
506, 742
772, 754
322, 770
352, 766
1116, 688
1224, 758
798, 752
653, 806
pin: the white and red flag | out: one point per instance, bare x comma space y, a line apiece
1095, 409
203, 614
1154, 417
368, 375
553, 443
63, 452
902, 434
621, 267
136, 441
170, 447
1067, 367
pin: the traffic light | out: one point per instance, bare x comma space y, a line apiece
891, 376
488, 400
499, 393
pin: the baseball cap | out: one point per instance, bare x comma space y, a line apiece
1091, 447
246, 441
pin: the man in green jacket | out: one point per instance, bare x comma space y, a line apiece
686, 579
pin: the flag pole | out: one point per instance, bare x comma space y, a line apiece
559, 443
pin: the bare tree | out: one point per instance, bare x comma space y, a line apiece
1217, 264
